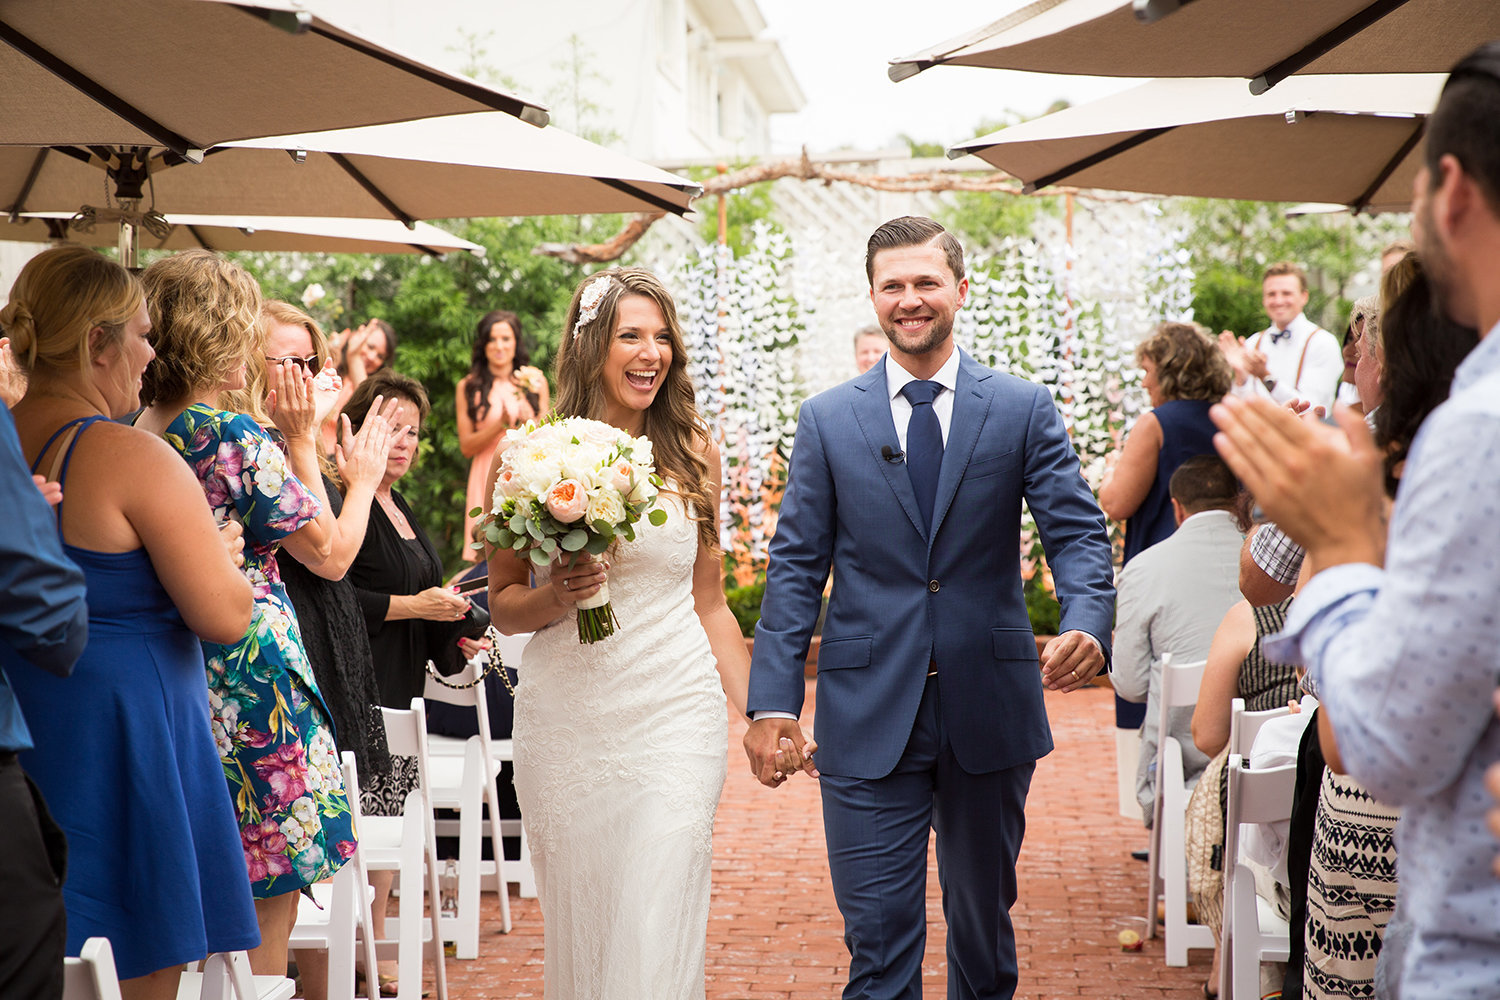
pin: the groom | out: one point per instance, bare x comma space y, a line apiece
908, 480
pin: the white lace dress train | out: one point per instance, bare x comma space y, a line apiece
620, 756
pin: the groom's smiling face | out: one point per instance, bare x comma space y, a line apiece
916, 296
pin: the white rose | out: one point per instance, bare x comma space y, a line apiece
607, 506
312, 295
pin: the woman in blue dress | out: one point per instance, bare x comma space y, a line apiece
269, 718
124, 753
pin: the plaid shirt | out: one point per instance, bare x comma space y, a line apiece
1278, 556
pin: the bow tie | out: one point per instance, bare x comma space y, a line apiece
1277, 336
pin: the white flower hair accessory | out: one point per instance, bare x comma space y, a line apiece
588, 303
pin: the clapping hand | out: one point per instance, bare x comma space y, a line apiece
361, 458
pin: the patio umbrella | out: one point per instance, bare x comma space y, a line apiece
1264, 41
185, 75
488, 164
1355, 140
255, 233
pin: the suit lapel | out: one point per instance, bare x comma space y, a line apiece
971, 405
872, 411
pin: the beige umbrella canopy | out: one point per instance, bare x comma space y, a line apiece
1354, 140
185, 75
1264, 41
255, 233
488, 164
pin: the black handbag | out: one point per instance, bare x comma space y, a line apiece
442, 639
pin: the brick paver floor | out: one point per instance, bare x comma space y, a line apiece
775, 933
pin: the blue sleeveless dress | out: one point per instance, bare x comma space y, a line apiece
1186, 431
127, 762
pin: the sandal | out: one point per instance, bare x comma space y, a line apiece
388, 987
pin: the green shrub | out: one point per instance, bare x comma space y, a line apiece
745, 603
1042, 608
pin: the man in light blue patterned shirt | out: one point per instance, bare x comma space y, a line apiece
1404, 644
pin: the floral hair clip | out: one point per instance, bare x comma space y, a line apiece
588, 303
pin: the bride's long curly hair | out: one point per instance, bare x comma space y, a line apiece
679, 436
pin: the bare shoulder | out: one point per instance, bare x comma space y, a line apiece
142, 458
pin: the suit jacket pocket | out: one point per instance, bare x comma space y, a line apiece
845, 653
991, 466
1012, 644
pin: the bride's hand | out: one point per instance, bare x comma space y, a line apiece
583, 579
790, 759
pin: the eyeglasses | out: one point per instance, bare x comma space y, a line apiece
307, 364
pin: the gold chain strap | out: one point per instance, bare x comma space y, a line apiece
493, 663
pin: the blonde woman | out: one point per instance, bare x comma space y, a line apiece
619, 746
269, 716
123, 750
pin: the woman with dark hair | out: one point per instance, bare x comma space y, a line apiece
1185, 374
619, 745
500, 391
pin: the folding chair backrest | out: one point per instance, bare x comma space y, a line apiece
1245, 726
1180, 682
92, 975
362, 874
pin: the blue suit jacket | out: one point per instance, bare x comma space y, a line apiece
901, 599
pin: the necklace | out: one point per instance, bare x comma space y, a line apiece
397, 519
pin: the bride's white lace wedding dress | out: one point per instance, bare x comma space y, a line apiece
620, 756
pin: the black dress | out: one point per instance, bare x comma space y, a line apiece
338, 646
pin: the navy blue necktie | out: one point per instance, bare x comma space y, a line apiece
924, 444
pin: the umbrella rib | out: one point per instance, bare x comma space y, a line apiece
95, 92
1363, 201
529, 113
1122, 146
1322, 45
19, 205
198, 235
373, 191
626, 187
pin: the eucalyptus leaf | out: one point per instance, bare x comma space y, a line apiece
574, 540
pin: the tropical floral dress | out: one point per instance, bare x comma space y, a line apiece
269, 720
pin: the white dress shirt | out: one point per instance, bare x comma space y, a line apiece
1321, 366
896, 378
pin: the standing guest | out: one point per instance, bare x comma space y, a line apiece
500, 391
1293, 358
44, 625
1399, 633
123, 749
908, 480
620, 744
869, 346
397, 577
1171, 598
269, 716
1184, 374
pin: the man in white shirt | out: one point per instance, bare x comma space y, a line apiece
1293, 358
1171, 599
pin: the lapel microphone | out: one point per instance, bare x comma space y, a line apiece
892, 455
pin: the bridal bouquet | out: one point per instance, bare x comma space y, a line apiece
571, 485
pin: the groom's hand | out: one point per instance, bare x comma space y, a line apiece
1070, 661
775, 748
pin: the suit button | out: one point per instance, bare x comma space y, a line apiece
934, 586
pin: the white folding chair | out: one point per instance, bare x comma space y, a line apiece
406, 844
1167, 862
1245, 726
92, 975
226, 975
342, 907
1252, 932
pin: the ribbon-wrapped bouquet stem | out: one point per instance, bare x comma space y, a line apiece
568, 486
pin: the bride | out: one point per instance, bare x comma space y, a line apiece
620, 746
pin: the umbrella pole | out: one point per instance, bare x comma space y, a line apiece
130, 243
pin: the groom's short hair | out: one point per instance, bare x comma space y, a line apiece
914, 231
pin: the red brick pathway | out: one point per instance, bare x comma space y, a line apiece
775, 934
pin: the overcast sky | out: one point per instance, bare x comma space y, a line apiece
838, 50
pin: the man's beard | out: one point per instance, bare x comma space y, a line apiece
1436, 262
926, 344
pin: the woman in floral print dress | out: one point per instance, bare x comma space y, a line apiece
269, 719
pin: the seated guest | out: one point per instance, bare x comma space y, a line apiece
1171, 597
123, 751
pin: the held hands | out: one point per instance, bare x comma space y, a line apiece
291, 403
438, 604
1070, 661
583, 579
777, 750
